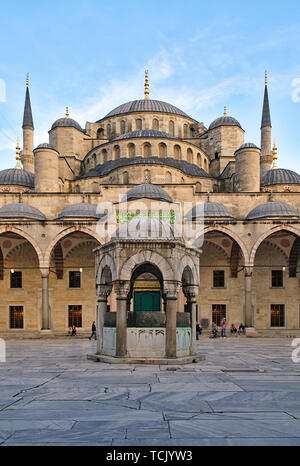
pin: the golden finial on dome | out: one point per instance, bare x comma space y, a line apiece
146, 86
225, 111
274, 155
67, 112
266, 78
27, 80
18, 157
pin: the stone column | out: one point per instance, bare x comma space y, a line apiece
171, 301
45, 301
248, 315
191, 292
122, 289
101, 310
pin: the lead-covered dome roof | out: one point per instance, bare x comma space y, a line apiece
272, 209
146, 228
81, 210
224, 121
45, 145
156, 106
17, 177
21, 210
209, 210
145, 133
66, 122
147, 191
279, 176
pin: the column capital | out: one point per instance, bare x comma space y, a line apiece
45, 272
122, 288
103, 291
191, 292
171, 290
248, 271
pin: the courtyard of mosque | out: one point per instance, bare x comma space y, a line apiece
246, 392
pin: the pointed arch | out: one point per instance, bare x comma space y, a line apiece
59, 261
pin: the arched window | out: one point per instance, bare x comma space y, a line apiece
131, 150
162, 149
125, 178
94, 160
199, 160
177, 152
147, 149
168, 177
189, 155
185, 130
147, 176
155, 124
104, 155
100, 133
205, 165
138, 124
95, 187
171, 127
109, 131
123, 127
77, 188
198, 187
116, 152
113, 131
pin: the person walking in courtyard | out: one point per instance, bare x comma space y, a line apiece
198, 330
93, 331
223, 325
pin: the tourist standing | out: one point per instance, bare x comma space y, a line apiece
223, 325
198, 330
93, 331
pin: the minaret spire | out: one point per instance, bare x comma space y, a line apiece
28, 130
266, 149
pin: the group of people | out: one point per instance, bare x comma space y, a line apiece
214, 329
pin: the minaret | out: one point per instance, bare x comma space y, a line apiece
28, 129
266, 150
146, 86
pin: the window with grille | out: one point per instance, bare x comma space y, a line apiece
277, 278
75, 316
16, 280
219, 279
16, 317
74, 279
277, 315
218, 312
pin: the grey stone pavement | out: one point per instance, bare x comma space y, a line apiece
247, 392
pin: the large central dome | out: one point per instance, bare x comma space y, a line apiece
145, 106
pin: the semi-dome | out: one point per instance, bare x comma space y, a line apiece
66, 122
144, 105
145, 133
21, 210
209, 210
272, 209
279, 176
146, 228
147, 191
81, 210
17, 177
45, 145
224, 121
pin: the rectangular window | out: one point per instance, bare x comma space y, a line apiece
16, 317
277, 278
219, 279
218, 312
277, 315
16, 279
74, 279
75, 316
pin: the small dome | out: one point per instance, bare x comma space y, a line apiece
147, 191
146, 228
82, 210
279, 176
224, 121
17, 177
45, 145
66, 122
272, 209
145, 106
248, 145
145, 133
209, 210
21, 210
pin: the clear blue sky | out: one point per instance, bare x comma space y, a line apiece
91, 56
